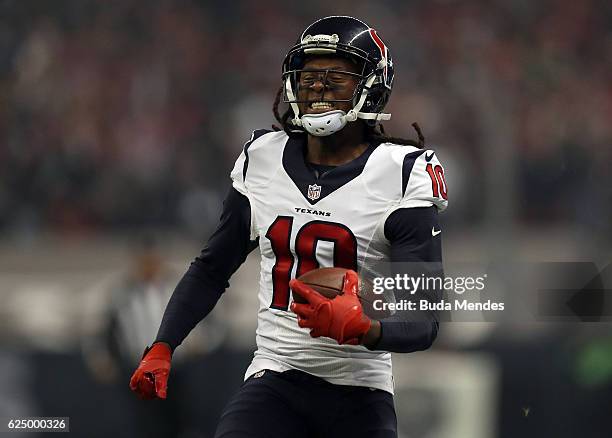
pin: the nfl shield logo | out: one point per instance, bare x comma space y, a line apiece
314, 192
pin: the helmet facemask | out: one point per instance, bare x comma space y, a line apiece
363, 97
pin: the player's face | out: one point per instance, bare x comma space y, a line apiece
324, 81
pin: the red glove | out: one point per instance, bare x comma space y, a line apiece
150, 380
340, 318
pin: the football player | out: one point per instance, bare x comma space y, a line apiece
328, 189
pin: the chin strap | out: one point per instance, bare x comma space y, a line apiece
352, 115
355, 114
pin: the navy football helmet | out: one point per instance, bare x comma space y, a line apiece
351, 38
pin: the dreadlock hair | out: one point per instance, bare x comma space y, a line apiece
375, 134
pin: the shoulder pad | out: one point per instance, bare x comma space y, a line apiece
406, 176
258, 156
383, 171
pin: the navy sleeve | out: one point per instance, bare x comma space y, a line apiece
207, 278
416, 249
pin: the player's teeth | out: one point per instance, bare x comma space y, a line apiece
320, 105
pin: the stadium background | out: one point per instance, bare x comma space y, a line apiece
119, 123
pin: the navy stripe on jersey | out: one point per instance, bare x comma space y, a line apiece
407, 166
256, 134
304, 175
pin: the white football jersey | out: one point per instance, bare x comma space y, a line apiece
304, 223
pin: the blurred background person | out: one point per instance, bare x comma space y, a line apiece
136, 301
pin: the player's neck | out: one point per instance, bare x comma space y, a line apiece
339, 148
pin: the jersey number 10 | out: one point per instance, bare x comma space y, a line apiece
279, 234
438, 182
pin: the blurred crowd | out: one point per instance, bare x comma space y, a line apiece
122, 114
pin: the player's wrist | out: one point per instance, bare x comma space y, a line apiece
372, 336
158, 350
162, 346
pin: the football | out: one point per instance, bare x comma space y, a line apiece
328, 282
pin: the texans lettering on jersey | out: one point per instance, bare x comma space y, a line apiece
304, 222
